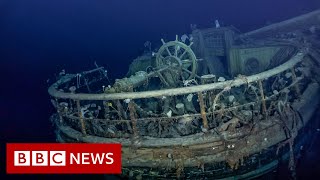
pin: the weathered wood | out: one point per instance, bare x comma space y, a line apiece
153, 152
294, 78
203, 111
263, 99
303, 21
133, 119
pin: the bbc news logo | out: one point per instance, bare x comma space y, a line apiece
55, 158
39, 158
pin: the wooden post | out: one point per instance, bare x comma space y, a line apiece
203, 111
83, 127
263, 100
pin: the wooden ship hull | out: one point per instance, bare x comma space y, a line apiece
174, 122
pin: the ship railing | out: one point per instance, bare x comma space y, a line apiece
219, 105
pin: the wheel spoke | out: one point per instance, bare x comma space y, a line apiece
163, 41
176, 51
186, 70
186, 61
161, 60
168, 51
183, 79
181, 56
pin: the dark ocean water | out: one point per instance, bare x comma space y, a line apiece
39, 38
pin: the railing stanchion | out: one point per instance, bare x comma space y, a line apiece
263, 100
203, 111
59, 111
121, 113
133, 118
294, 79
80, 114
106, 110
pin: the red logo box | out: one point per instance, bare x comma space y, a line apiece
62, 158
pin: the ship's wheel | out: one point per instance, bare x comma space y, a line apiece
179, 59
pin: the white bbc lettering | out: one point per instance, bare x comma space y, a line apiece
57, 158
21, 158
39, 158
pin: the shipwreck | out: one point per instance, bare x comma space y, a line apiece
216, 103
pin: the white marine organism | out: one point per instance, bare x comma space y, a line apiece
190, 37
288, 75
184, 38
203, 129
64, 106
84, 110
221, 79
216, 22
169, 113
275, 92
189, 97
180, 105
247, 113
285, 90
189, 82
186, 119
141, 73
62, 73
231, 98
127, 101
72, 89
313, 29
112, 129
